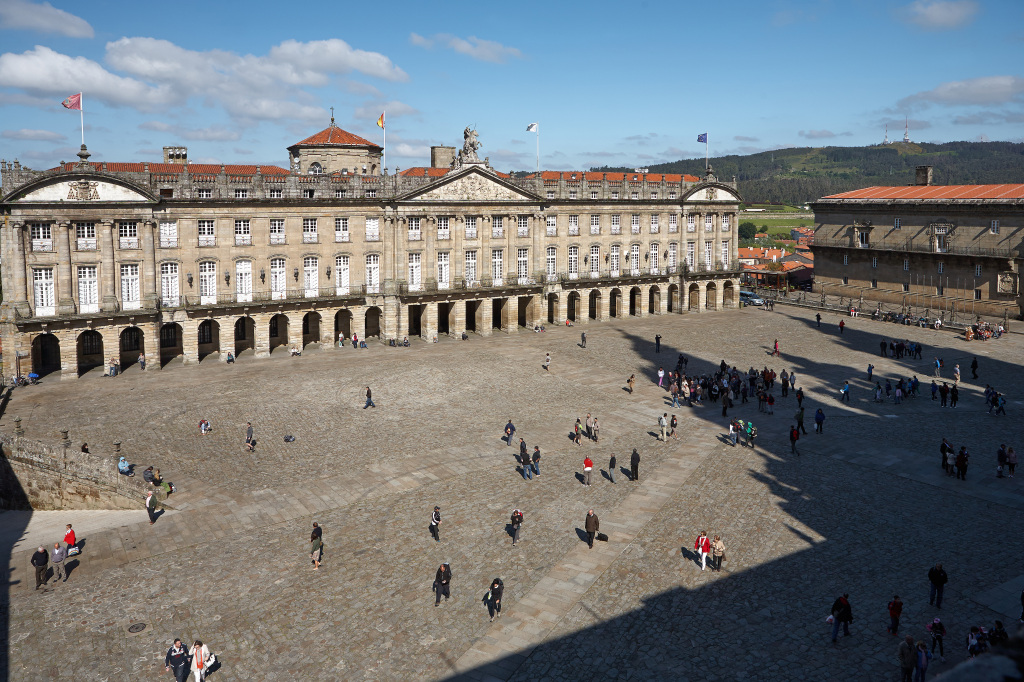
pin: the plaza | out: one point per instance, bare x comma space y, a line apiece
864, 509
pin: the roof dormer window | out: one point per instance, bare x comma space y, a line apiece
316, 169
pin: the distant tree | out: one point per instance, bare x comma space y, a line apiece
747, 230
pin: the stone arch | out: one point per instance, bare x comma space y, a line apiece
278, 331
615, 303
132, 343
711, 296
343, 323
728, 294
90, 350
553, 309
594, 310
654, 300
208, 337
45, 354
170, 342
573, 307
673, 298
373, 318
693, 295
635, 301
310, 328
245, 334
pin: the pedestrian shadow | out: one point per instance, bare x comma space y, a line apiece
690, 555
510, 530
654, 434
628, 473
604, 474
725, 439
582, 535
580, 478
70, 566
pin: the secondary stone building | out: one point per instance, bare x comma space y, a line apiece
117, 260
954, 250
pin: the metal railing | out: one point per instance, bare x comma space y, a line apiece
918, 246
127, 242
292, 294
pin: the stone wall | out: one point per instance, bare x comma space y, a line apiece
35, 475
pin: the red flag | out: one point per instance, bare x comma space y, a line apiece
380, 121
73, 102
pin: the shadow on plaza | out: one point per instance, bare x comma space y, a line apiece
766, 621
12, 528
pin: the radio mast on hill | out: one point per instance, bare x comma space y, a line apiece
886, 140
906, 131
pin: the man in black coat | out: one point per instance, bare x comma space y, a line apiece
634, 464
841, 613
442, 583
177, 659
591, 524
938, 578
494, 602
40, 560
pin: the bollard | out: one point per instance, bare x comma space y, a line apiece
64, 437
18, 431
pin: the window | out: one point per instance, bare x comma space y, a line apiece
316, 169
942, 267
654, 195
993, 227
846, 259
654, 257
470, 228
977, 294
874, 283
371, 194
205, 332
595, 224
497, 265
373, 230
906, 264
415, 278
725, 253
897, 224
130, 298
940, 239
341, 274
634, 258
523, 265
634, 195
128, 235
691, 250
42, 236
42, 291
613, 260
309, 235
574, 262
708, 254
846, 280
691, 225
497, 226
523, 226
311, 276
339, 194
277, 231
654, 224
169, 292
863, 237
88, 289
550, 194
168, 234
574, 225
414, 229
470, 271
208, 282
977, 271
709, 222
552, 263
634, 223
552, 226
671, 195
874, 262
131, 339
444, 270
595, 260
278, 282
593, 195
241, 193
274, 329
673, 255
673, 223
275, 194
341, 230
906, 287
204, 193
167, 192
572, 194
85, 234
940, 290
243, 235
725, 223
373, 273
168, 336
308, 193
243, 280
442, 228
616, 224
615, 196
207, 236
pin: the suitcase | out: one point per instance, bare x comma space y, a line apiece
602, 537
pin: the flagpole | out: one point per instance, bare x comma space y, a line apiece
706, 153
538, 147
81, 115
384, 154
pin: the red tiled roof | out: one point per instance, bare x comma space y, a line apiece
614, 177
176, 168
925, 192
332, 134
424, 172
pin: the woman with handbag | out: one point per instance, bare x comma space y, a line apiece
717, 553
202, 659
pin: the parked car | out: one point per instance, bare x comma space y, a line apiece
750, 298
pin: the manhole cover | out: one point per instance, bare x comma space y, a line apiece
136, 628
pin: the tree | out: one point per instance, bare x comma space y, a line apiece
747, 230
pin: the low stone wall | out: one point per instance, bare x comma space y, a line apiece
35, 475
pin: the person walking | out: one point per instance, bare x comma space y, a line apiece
316, 548
844, 392
841, 614
583, 339
842, 325
663, 425
597, 430
819, 421
630, 382
442, 583
611, 468
591, 525
938, 579
510, 430
923, 657
634, 466
938, 368
907, 655
524, 459
201, 661
871, 370
775, 350
702, 545
250, 441
1011, 460
588, 467
435, 524
517, 523
577, 432
151, 507
547, 362
954, 396
57, 556
590, 427
661, 376
657, 343
717, 553
799, 416
800, 397
962, 459
369, 398
938, 631
817, 318
176, 661
794, 436
494, 598
69, 538
895, 611
672, 424
974, 368
40, 561
535, 463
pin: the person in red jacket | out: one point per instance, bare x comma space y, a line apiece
702, 546
588, 466
895, 611
69, 538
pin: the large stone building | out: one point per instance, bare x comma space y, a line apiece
104, 260
953, 250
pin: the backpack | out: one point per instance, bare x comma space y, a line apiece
517, 518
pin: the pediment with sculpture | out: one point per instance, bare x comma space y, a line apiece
474, 185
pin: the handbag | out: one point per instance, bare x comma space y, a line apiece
602, 537
74, 551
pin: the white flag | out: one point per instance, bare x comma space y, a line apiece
532, 128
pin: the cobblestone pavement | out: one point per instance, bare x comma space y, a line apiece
864, 509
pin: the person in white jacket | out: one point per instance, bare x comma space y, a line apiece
201, 660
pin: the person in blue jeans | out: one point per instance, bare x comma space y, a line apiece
845, 392
536, 460
841, 613
819, 421
369, 399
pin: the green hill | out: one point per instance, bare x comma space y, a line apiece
798, 175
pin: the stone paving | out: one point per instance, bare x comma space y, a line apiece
864, 509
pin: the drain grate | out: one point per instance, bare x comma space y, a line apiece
136, 628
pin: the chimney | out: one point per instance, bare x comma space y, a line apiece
442, 157
176, 155
923, 176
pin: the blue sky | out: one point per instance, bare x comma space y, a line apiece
610, 82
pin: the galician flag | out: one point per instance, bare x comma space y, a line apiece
532, 128
703, 137
73, 102
380, 121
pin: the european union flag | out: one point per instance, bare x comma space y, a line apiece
703, 137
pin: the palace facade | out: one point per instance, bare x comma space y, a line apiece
171, 258
953, 250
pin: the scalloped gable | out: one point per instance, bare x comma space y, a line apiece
472, 185
82, 190
712, 193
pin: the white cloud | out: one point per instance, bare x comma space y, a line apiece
29, 134
817, 134
210, 134
990, 117
477, 48
940, 14
979, 91
371, 110
42, 17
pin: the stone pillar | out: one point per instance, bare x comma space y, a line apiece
663, 299
428, 324
111, 343
108, 300
328, 337
719, 296
225, 337
65, 297
68, 354
358, 321
261, 334
684, 296
605, 306
151, 344
457, 319
395, 324
485, 312
641, 310
20, 278
510, 315
562, 307
190, 341
149, 267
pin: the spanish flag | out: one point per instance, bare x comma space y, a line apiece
380, 121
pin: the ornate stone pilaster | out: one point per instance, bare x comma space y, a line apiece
65, 300
108, 302
149, 268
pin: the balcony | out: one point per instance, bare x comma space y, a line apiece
42, 245
243, 240
655, 229
616, 229
128, 242
312, 238
168, 242
919, 246
277, 238
574, 230
415, 235
470, 233
234, 298
552, 231
207, 240
340, 237
497, 233
444, 234
523, 232
635, 229
595, 229
86, 244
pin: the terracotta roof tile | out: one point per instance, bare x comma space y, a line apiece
424, 172
332, 134
176, 168
614, 177
926, 192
